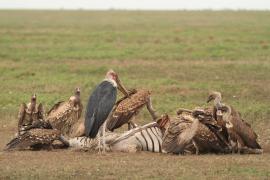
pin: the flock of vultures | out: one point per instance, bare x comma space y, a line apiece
217, 129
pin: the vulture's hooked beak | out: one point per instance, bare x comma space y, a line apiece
210, 98
77, 91
34, 97
121, 87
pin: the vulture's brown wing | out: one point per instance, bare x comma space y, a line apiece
62, 117
206, 117
127, 108
58, 114
21, 115
80, 110
33, 137
55, 107
208, 142
244, 130
179, 134
40, 111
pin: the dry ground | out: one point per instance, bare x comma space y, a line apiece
179, 56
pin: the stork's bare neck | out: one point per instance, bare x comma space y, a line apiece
111, 77
111, 81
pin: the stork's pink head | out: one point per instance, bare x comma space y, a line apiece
111, 75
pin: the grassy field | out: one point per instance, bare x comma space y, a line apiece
179, 56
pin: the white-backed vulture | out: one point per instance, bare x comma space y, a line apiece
35, 138
29, 114
240, 132
188, 133
128, 107
65, 114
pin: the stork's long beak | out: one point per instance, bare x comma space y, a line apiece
121, 87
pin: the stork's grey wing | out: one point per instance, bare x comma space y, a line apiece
98, 108
21, 115
105, 107
33, 137
90, 110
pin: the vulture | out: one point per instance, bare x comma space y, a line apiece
64, 114
126, 108
100, 105
29, 114
35, 138
190, 133
240, 132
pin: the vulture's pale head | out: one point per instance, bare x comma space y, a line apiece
34, 98
214, 95
77, 91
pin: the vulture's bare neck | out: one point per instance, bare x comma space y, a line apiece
217, 102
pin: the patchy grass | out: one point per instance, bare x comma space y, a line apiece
179, 56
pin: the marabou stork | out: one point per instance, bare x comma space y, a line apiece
100, 105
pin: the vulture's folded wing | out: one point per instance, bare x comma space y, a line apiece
127, 108
33, 137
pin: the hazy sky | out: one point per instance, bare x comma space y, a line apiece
136, 4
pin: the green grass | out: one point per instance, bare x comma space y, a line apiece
179, 56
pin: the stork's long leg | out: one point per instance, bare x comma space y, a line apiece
99, 144
151, 109
103, 135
